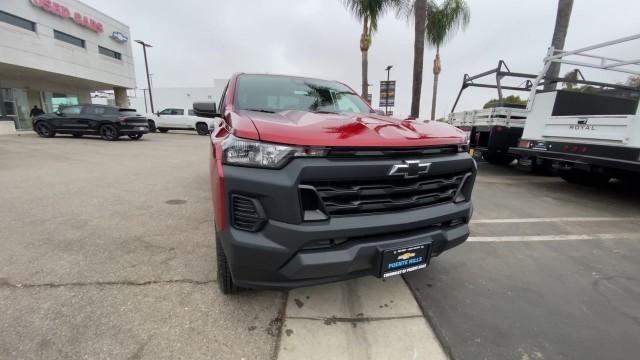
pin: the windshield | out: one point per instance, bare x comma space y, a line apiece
270, 93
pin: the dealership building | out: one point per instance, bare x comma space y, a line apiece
55, 53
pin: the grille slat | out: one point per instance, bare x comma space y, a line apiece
352, 197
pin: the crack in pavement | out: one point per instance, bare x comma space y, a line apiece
335, 319
4, 283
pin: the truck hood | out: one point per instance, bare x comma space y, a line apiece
350, 130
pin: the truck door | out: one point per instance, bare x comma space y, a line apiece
164, 118
179, 118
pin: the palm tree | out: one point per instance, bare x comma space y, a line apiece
442, 23
419, 10
557, 41
368, 11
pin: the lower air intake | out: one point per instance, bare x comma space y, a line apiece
246, 213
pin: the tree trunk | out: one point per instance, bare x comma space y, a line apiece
418, 55
559, 36
436, 73
365, 69
365, 41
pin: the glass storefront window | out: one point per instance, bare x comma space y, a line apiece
8, 108
53, 101
23, 121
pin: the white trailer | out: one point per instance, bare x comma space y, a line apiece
589, 134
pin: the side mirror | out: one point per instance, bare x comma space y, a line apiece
205, 109
158, 113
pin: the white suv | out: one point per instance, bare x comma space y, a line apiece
179, 119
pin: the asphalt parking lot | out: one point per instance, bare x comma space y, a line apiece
107, 252
551, 272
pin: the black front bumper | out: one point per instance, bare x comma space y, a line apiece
280, 254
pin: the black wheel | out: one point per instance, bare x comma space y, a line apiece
152, 126
109, 132
44, 130
163, 130
77, 135
497, 159
202, 129
584, 178
135, 136
225, 280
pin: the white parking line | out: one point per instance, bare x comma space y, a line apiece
515, 238
556, 219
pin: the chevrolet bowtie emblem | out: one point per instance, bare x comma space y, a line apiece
410, 168
406, 256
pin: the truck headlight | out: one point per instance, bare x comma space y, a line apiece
236, 151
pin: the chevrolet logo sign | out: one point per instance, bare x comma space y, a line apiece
406, 256
410, 168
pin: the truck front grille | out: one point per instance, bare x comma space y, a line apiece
351, 197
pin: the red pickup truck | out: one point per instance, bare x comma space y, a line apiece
310, 185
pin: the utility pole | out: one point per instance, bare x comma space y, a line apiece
146, 66
144, 94
386, 103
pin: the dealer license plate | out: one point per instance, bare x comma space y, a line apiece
404, 260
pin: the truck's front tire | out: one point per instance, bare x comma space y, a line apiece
225, 280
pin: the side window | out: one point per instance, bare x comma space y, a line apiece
190, 112
222, 99
177, 112
165, 112
95, 110
72, 110
111, 111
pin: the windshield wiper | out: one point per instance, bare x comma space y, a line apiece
325, 112
261, 110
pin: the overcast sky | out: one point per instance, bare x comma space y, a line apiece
196, 41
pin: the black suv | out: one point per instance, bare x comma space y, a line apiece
109, 122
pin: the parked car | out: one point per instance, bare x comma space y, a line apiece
310, 185
179, 119
108, 122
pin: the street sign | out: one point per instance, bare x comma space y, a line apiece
387, 93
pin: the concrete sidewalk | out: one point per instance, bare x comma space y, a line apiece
366, 318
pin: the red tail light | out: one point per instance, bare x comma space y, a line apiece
524, 144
